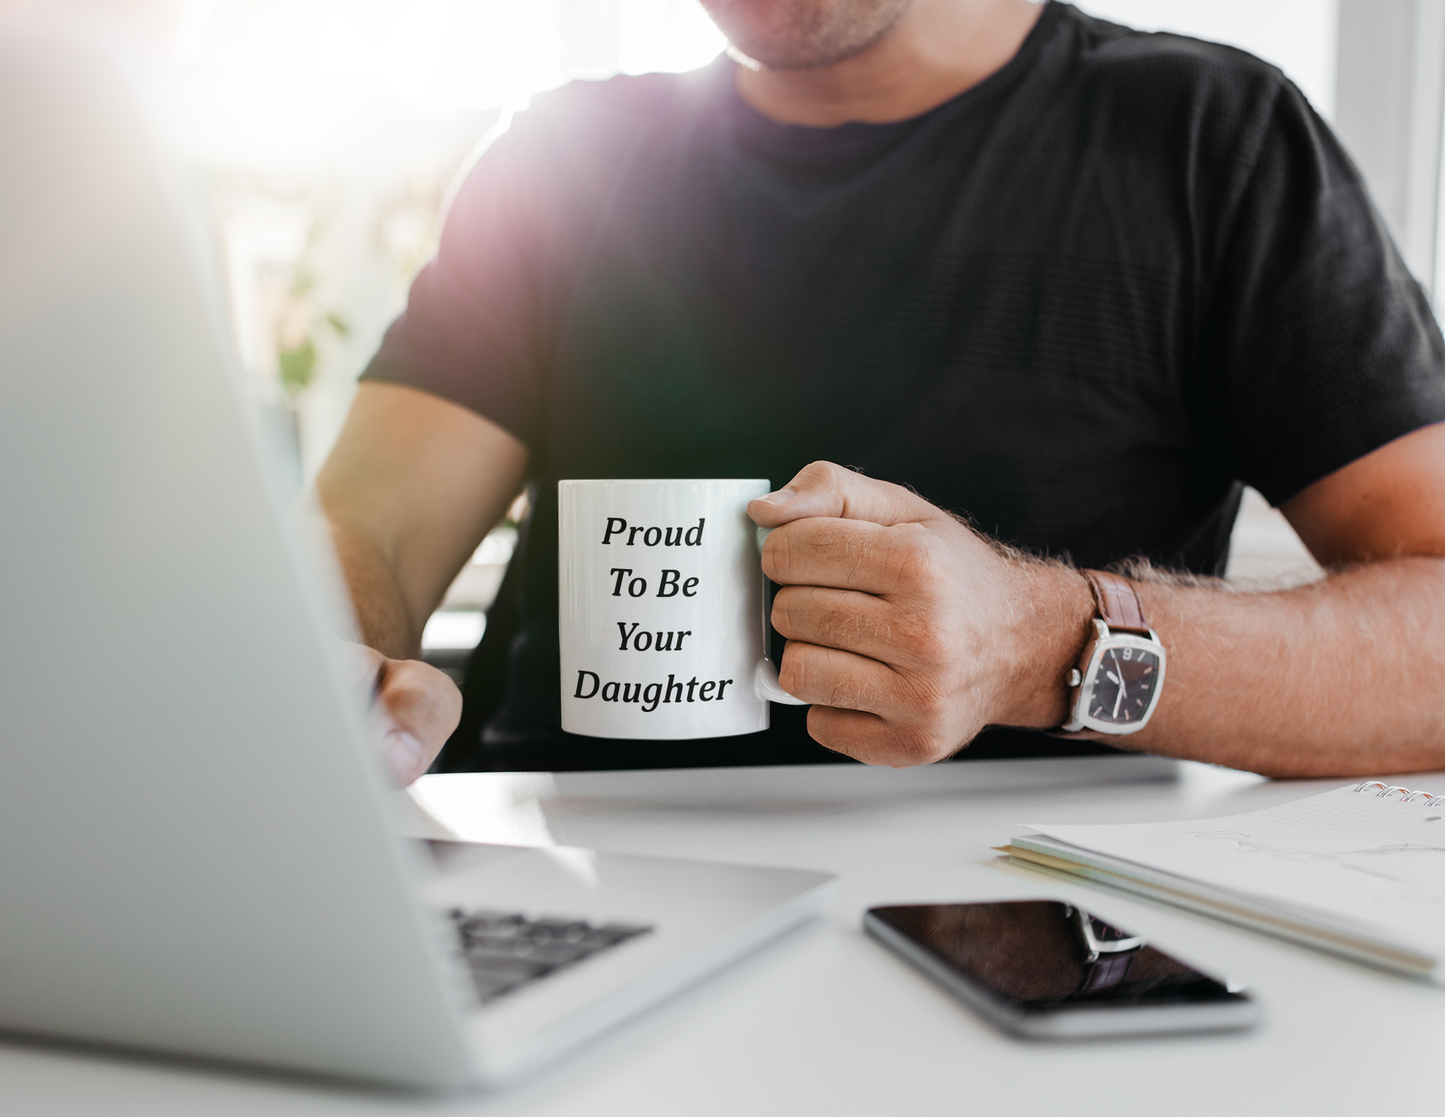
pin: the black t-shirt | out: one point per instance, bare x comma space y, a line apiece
1080, 303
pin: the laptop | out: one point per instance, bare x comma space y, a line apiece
196, 853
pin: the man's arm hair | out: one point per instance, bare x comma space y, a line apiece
908, 632
412, 486
1340, 676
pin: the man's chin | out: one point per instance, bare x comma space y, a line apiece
770, 57
802, 34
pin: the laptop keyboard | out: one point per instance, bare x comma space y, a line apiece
506, 950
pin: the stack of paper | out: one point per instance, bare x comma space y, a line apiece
1347, 871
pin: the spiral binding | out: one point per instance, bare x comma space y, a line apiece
1385, 791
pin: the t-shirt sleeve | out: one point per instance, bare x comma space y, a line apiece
473, 330
1319, 346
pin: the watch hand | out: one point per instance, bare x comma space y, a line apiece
1113, 678
1120, 696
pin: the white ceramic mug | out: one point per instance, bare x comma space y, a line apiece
663, 619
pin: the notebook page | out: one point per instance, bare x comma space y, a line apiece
1377, 863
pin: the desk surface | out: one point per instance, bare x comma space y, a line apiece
825, 1021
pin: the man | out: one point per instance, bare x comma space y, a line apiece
1069, 281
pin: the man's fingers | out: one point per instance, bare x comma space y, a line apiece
423, 706
829, 677
874, 740
865, 709
825, 489
419, 698
849, 732
850, 555
368, 663
858, 623
407, 759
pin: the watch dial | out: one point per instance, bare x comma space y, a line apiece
1124, 685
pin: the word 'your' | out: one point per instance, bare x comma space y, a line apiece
642, 641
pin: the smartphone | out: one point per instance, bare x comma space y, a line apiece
1050, 970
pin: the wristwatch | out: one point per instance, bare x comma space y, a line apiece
1107, 951
1116, 685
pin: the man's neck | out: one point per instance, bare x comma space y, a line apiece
936, 50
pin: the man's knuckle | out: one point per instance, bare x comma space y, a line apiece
844, 628
777, 554
927, 643
929, 709
819, 475
825, 540
824, 727
405, 687
849, 694
782, 614
915, 745
911, 559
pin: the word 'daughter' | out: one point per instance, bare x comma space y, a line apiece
650, 695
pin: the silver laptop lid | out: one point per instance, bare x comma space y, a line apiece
192, 848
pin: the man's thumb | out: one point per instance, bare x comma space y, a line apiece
825, 489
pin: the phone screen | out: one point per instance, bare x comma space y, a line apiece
1033, 957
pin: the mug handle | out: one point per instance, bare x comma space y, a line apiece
765, 675
765, 685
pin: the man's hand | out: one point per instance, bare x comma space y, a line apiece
906, 630
421, 706
911, 633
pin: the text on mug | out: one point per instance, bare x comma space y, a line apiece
651, 694
657, 641
652, 536
668, 587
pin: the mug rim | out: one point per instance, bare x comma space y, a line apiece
664, 481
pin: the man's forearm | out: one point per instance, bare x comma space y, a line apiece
382, 614
411, 487
909, 633
1345, 676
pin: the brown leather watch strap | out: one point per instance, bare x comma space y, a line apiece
1118, 601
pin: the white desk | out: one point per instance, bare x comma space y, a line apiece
825, 1021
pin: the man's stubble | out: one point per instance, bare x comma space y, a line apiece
804, 34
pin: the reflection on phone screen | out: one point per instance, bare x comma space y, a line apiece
1043, 955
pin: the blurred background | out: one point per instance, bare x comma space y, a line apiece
325, 134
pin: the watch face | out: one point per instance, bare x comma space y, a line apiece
1124, 685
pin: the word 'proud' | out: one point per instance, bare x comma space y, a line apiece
653, 536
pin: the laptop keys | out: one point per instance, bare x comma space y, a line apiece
506, 950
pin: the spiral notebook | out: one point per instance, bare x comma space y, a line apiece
1359, 871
